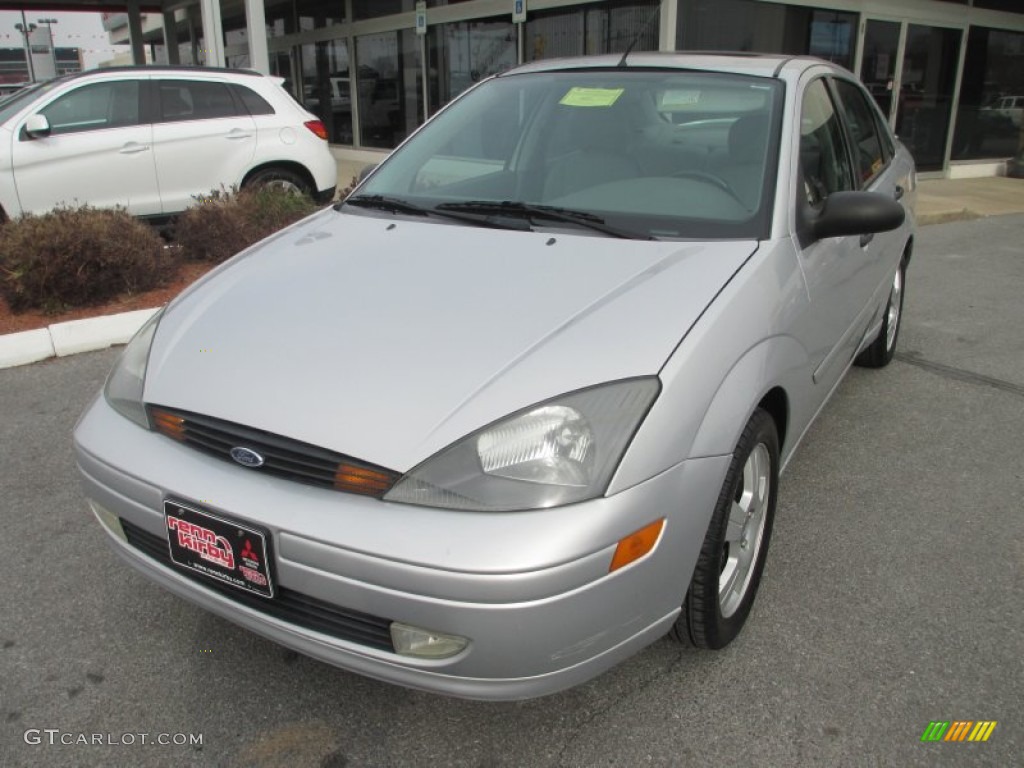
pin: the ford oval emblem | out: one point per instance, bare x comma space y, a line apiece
246, 457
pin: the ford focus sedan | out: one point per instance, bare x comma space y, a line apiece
519, 406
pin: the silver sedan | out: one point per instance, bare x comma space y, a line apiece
519, 406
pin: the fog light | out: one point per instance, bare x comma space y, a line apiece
425, 643
109, 520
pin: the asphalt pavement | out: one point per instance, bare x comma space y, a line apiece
892, 595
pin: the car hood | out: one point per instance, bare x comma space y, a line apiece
387, 339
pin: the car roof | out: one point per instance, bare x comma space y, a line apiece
154, 69
736, 62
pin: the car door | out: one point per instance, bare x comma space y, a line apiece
203, 139
875, 170
839, 272
98, 151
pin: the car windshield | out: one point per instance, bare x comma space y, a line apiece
649, 153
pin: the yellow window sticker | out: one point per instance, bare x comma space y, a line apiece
591, 97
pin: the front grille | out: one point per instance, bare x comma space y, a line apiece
282, 456
287, 605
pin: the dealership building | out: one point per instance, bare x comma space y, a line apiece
949, 74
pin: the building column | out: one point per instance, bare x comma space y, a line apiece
213, 32
667, 27
135, 32
256, 29
171, 38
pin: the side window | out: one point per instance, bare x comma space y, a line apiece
254, 103
867, 148
195, 100
94, 107
822, 153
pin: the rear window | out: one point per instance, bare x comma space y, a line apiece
867, 148
254, 103
195, 100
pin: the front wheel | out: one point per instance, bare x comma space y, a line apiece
732, 557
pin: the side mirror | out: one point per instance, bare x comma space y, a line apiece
856, 213
37, 126
367, 170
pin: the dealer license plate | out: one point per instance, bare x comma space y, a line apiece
218, 548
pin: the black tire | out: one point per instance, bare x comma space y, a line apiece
284, 177
879, 353
703, 621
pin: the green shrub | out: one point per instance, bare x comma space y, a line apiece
77, 257
224, 223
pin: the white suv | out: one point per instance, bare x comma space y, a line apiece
154, 139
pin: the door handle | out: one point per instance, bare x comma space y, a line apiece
866, 238
133, 147
237, 134
897, 193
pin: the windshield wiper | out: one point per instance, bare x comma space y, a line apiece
550, 212
398, 205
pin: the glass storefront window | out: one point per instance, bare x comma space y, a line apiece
368, 9
878, 65
463, 53
390, 87
926, 92
314, 14
326, 87
748, 25
280, 18
988, 118
591, 29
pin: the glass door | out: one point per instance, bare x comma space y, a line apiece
927, 81
910, 70
282, 64
878, 63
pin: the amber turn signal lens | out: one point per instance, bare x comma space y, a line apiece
167, 423
355, 479
636, 545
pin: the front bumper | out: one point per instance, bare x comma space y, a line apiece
531, 590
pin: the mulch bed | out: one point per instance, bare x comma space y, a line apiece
32, 319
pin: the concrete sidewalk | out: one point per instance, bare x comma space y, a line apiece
941, 200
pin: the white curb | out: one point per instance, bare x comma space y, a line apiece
25, 347
70, 337
76, 336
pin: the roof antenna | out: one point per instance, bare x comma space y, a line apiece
640, 33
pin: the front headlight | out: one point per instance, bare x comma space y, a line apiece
558, 452
123, 389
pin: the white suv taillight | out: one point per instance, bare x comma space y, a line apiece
317, 127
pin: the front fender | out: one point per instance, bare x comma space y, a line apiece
775, 362
739, 349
